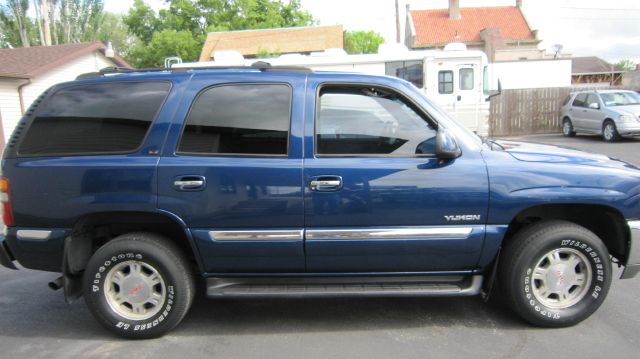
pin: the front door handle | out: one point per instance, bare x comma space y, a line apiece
326, 183
189, 183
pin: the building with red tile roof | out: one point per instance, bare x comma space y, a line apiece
502, 32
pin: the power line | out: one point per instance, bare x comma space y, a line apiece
596, 8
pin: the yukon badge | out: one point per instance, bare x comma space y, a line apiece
463, 217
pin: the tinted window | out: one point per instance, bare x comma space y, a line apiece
369, 121
466, 78
406, 70
581, 100
97, 118
239, 119
445, 82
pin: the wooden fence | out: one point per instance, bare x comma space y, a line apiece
529, 111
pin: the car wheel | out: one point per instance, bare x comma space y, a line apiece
555, 273
610, 132
139, 285
567, 128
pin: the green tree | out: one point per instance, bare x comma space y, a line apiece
13, 17
362, 42
163, 44
198, 17
142, 21
80, 20
625, 65
113, 29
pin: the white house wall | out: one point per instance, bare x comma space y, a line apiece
67, 72
9, 105
531, 74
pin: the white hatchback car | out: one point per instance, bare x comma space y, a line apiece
610, 113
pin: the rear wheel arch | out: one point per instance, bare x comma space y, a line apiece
94, 230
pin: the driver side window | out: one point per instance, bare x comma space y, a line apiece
368, 121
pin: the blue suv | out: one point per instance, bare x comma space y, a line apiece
283, 182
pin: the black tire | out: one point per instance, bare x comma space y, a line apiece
525, 255
610, 131
161, 271
567, 128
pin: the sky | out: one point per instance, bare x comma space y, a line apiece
608, 29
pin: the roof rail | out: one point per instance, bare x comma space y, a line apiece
258, 65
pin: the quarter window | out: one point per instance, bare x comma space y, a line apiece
97, 118
239, 119
445, 82
581, 100
370, 121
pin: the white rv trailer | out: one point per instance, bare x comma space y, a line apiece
455, 78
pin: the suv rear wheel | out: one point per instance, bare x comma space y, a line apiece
555, 273
139, 285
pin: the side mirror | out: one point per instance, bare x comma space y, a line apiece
497, 93
594, 105
446, 146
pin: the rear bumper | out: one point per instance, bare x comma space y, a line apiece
632, 267
6, 258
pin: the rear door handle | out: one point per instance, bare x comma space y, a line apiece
326, 183
189, 183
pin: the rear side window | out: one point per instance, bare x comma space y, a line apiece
250, 119
94, 119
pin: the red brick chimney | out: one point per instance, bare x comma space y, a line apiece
454, 10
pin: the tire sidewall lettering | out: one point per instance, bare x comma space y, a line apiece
122, 324
597, 285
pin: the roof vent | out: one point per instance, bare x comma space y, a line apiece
455, 46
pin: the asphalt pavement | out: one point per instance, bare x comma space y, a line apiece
35, 322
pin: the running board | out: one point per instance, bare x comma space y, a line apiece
344, 287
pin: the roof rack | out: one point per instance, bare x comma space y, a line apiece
258, 65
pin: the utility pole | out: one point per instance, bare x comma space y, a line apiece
397, 22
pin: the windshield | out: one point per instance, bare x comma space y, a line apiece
620, 98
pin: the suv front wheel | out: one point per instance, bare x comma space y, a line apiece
555, 273
139, 285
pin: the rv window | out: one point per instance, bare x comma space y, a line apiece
466, 78
445, 82
406, 70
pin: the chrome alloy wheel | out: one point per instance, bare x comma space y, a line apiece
566, 128
609, 131
561, 278
135, 290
